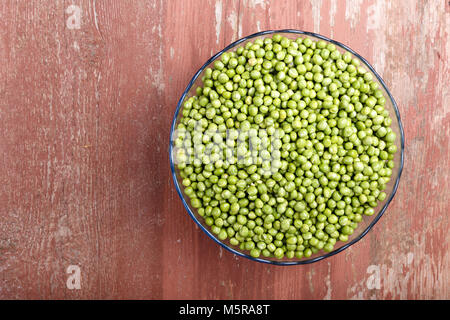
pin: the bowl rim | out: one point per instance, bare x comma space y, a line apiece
302, 261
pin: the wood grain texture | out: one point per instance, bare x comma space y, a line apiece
84, 172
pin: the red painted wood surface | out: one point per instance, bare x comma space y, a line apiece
84, 173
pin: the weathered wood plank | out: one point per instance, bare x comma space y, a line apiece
80, 138
85, 180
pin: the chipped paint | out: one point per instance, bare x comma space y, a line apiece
309, 276
240, 21
95, 16
218, 14
333, 10
316, 14
431, 14
159, 74
402, 83
376, 18
328, 283
401, 271
353, 11
233, 20
254, 3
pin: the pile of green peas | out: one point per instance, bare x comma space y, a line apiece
334, 145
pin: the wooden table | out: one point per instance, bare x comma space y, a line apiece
87, 94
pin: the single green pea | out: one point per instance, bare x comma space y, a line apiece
390, 137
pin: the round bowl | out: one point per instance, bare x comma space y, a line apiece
368, 221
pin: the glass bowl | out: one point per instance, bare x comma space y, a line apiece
368, 221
